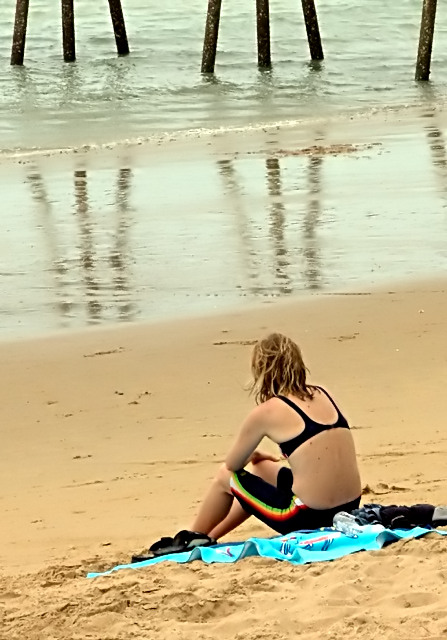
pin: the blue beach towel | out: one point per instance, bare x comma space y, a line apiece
300, 547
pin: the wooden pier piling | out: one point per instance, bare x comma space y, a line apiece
263, 29
19, 37
426, 40
119, 27
313, 31
68, 31
211, 36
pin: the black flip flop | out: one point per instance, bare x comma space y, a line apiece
183, 541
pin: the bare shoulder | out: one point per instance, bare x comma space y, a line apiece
267, 411
322, 390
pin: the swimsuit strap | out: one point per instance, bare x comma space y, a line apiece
295, 407
327, 394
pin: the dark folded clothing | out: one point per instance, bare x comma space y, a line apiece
401, 517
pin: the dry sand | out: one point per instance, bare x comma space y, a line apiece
110, 436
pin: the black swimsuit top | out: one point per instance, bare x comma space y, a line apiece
311, 428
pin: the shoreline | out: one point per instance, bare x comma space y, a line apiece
344, 123
306, 298
402, 115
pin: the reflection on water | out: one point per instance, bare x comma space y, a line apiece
98, 246
71, 84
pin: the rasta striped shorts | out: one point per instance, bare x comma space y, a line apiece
278, 507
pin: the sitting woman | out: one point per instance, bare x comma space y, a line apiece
303, 420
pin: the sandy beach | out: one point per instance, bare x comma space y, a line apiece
109, 436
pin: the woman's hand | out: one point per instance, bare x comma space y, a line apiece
258, 456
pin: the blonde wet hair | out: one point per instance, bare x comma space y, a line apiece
278, 368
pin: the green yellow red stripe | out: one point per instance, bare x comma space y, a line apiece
260, 507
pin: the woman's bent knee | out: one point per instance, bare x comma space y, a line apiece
223, 477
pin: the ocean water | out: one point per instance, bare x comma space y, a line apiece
370, 53
85, 244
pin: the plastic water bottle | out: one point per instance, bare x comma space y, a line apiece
346, 523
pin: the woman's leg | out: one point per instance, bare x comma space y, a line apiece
216, 504
220, 513
265, 469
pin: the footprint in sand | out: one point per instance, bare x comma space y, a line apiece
415, 599
352, 336
382, 489
104, 353
9, 595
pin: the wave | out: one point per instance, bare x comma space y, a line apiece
424, 108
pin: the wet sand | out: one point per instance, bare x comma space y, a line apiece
191, 225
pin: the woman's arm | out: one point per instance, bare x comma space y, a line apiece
248, 438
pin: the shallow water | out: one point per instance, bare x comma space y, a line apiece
370, 50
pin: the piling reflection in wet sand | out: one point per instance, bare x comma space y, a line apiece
277, 226
93, 284
232, 189
438, 151
87, 247
282, 262
311, 250
435, 136
121, 251
45, 220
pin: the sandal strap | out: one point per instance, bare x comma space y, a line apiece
162, 543
184, 540
191, 539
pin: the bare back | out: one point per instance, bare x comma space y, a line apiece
324, 465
